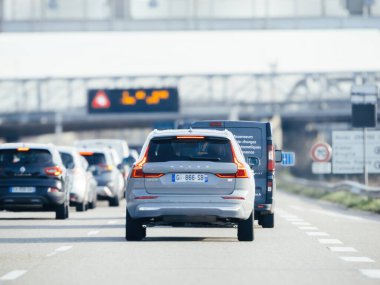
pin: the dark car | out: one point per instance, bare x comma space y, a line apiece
32, 178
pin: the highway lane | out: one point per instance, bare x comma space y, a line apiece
313, 243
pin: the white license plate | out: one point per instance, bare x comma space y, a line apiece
189, 177
22, 189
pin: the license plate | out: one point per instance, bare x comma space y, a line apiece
189, 177
22, 189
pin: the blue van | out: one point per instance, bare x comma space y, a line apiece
255, 139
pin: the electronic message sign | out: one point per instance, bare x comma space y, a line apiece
142, 100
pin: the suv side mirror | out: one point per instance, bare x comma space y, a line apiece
120, 167
278, 155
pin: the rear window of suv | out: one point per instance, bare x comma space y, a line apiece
214, 149
95, 158
26, 156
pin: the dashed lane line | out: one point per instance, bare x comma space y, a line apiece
371, 273
329, 241
317, 234
59, 249
356, 259
90, 233
12, 275
308, 228
301, 223
342, 249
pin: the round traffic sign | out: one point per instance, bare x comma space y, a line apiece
321, 152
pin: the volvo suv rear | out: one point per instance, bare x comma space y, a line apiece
32, 178
186, 177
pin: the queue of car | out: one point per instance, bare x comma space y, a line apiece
216, 173
44, 177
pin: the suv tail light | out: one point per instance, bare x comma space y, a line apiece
53, 171
241, 170
137, 171
271, 162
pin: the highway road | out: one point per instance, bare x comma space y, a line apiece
312, 243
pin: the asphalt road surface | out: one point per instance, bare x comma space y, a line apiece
312, 243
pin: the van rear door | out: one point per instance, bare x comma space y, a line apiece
252, 138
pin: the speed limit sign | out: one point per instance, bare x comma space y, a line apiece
321, 152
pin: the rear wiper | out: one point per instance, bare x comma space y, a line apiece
204, 158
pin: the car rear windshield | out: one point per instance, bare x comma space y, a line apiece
9, 157
175, 149
95, 158
68, 160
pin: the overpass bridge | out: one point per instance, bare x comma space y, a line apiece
46, 105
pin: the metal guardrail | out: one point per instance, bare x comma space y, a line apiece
345, 185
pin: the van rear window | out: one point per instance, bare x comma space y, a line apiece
205, 149
26, 156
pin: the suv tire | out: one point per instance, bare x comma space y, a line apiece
61, 212
245, 229
267, 221
114, 201
134, 231
81, 207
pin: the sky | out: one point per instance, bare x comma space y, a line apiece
35, 55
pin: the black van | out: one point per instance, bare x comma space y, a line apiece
255, 139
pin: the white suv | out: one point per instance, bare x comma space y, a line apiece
186, 177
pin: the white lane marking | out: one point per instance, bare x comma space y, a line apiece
93, 233
64, 248
301, 223
317, 234
308, 228
371, 273
298, 208
295, 220
329, 241
111, 222
332, 214
13, 275
356, 259
342, 249
60, 249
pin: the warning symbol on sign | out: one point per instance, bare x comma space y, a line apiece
101, 101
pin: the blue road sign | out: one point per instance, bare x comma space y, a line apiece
288, 159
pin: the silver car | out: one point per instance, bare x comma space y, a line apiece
186, 177
82, 184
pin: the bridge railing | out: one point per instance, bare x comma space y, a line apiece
65, 94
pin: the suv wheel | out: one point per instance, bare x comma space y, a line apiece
134, 231
245, 229
267, 221
81, 207
92, 204
114, 201
61, 212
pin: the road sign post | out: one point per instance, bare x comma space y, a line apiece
364, 114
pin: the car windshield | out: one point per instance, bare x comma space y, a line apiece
205, 149
9, 157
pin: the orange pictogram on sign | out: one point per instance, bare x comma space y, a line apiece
101, 101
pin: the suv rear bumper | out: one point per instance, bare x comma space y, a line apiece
220, 210
34, 201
